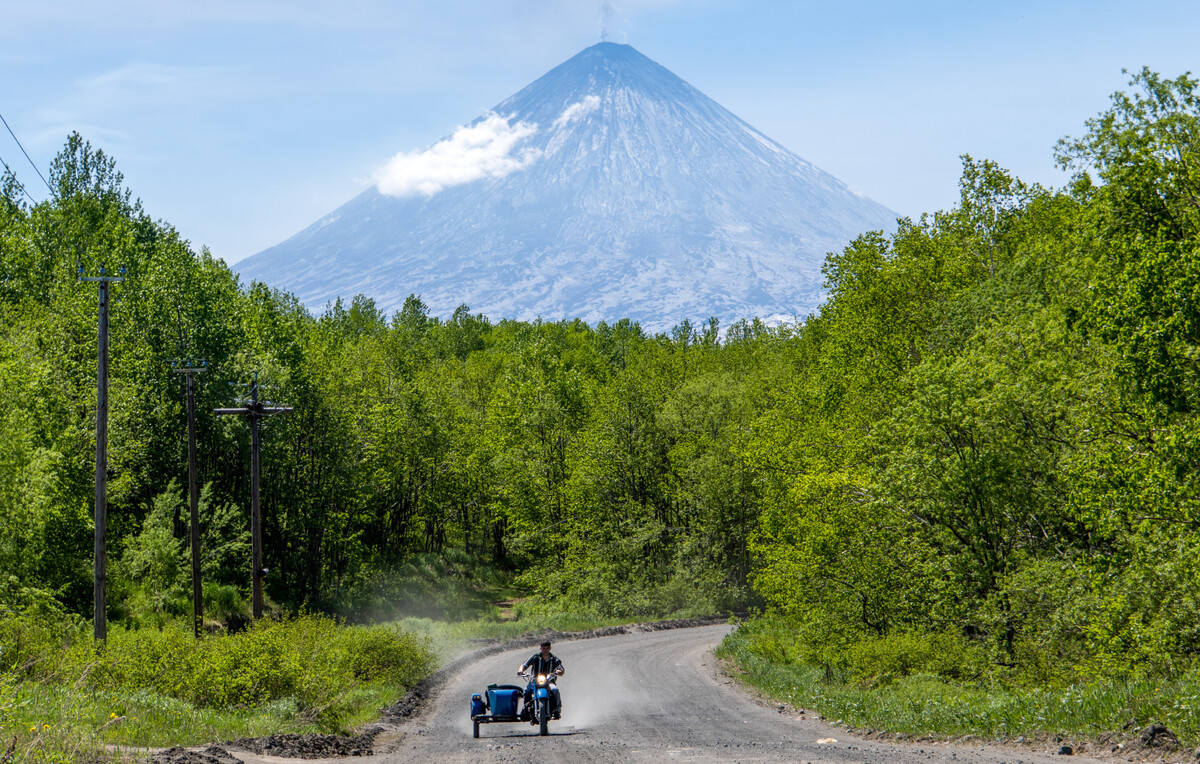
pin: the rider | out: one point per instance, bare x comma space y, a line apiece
544, 662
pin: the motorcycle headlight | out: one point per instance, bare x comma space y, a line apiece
541, 680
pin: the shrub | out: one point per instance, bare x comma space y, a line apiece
311, 659
887, 658
225, 604
32, 641
446, 586
387, 653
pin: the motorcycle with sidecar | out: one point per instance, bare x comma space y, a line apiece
508, 703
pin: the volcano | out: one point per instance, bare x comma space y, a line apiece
609, 188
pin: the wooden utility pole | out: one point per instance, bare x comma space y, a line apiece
255, 411
100, 615
190, 370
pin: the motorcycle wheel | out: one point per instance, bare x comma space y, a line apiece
544, 715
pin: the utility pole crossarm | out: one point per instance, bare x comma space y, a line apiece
253, 410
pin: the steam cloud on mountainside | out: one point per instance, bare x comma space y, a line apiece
577, 110
486, 149
483, 150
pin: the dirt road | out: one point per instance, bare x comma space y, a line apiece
653, 697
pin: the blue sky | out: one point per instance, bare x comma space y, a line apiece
241, 122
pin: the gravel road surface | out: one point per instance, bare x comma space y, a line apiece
651, 696
654, 697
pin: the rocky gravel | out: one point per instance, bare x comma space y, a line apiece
310, 746
211, 755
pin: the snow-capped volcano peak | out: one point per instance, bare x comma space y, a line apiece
608, 188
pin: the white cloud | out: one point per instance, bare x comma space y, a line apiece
486, 149
578, 110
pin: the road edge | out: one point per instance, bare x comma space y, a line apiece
394, 717
424, 691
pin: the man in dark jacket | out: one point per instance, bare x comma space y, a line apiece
544, 662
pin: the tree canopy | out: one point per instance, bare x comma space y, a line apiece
988, 434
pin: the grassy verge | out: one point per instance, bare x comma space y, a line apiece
54, 723
925, 704
61, 699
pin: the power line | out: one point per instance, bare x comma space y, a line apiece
20, 185
26, 153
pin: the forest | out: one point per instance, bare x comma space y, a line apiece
986, 441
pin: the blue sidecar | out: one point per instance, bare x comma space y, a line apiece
503, 703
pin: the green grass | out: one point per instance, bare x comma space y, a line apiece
925, 704
57, 720
60, 697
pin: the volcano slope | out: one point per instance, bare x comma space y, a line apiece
622, 192
652, 697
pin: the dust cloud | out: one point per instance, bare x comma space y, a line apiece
592, 693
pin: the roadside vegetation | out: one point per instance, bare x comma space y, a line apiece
965, 493
983, 506
61, 696
908, 685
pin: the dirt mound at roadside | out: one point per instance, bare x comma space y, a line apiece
310, 746
211, 755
